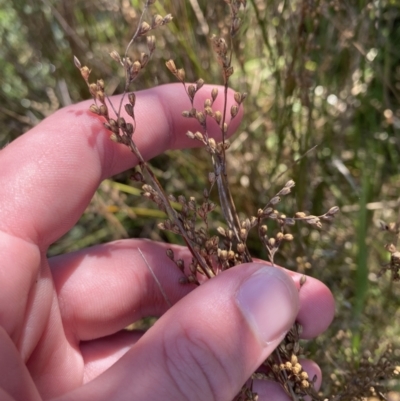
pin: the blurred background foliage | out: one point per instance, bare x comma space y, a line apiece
323, 84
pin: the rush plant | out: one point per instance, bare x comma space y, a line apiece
215, 247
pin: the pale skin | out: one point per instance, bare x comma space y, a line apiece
62, 319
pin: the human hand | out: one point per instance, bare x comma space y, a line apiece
62, 319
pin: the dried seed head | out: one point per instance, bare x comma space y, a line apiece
207, 103
288, 237
180, 74
235, 26
121, 122
229, 72
136, 67
214, 94
279, 236
218, 116
390, 248
144, 59
396, 257
184, 280
238, 97
284, 191
115, 56
296, 369
148, 188
137, 176
212, 144
199, 84
171, 66
211, 178
157, 21
170, 254
190, 135
221, 231
208, 111
201, 117
305, 384
267, 211
151, 43
263, 229
333, 210
191, 91
103, 110
234, 110
172, 198
144, 28
85, 72
167, 19
199, 136
93, 89
180, 263
275, 200
300, 215
223, 254
241, 248
129, 129
115, 138
290, 221
303, 374
94, 109
77, 63
100, 96
129, 109
127, 62
132, 99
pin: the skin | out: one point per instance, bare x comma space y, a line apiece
62, 319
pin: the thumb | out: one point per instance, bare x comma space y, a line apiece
208, 344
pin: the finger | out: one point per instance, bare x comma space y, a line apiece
104, 288
53, 170
317, 307
99, 355
208, 344
14, 376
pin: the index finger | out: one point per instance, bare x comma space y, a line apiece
49, 175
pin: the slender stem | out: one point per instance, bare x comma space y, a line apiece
171, 212
135, 35
226, 201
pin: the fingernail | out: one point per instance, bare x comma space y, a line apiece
269, 302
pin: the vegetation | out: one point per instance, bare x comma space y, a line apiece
323, 84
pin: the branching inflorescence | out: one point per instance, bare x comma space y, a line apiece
211, 252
